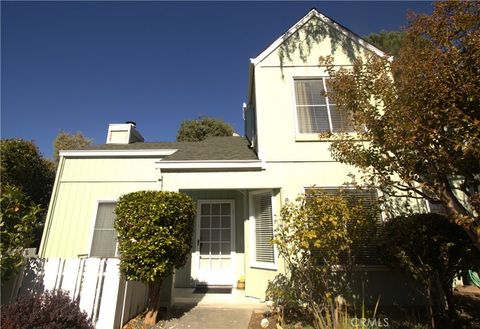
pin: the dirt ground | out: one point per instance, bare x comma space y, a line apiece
467, 299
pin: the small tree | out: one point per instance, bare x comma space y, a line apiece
66, 141
18, 220
388, 41
435, 252
154, 236
316, 233
200, 129
23, 166
421, 114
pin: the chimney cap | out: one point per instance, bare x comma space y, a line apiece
133, 123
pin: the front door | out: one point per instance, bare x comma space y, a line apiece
212, 262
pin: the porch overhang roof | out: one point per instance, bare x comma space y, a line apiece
211, 165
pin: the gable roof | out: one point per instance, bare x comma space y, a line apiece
311, 14
211, 149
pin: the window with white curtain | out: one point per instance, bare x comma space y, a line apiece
104, 241
317, 113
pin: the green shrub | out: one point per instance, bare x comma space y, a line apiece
433, 251
317, 233
18, 220
154, 237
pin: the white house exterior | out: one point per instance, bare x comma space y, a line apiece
238, 183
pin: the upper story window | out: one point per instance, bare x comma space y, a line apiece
315, 112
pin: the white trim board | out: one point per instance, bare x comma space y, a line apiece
211, 164
116, 153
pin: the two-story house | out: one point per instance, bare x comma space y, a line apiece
238, 183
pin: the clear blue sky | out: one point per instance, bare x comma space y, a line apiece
78, 66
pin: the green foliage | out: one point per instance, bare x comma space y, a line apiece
433, 251
389, 42
23, 166
18, 219
317, 233
154, 233
199, 129
433, 244
66, 141
421, 111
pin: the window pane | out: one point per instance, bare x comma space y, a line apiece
215, 235
225, 248
340, 120
205, 235
204, 222
225, 222
226, 235
215, 222
225, 209
312, 119
215, 209
105, 215
309, 92
215, 249
205, 209
104, 241
204, 248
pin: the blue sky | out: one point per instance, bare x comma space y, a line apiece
78, 66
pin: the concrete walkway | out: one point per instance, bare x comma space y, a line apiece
211, 317
212, 311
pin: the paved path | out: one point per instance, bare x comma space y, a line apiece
211, 317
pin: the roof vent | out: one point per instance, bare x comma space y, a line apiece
123, 133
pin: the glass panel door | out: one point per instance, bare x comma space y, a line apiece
214, 242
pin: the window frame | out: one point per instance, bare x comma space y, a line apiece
92, 230
299, 136
252, 220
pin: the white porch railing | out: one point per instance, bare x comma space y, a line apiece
103, 294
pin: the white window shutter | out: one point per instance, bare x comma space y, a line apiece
264, 250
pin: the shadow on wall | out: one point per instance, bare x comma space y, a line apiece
315, 32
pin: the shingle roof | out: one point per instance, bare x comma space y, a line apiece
213, 148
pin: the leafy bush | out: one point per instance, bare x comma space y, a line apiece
50, 310
317, 232
433, 251
18, 220
154, 236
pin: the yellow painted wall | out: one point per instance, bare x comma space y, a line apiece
80, 184
274, 90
